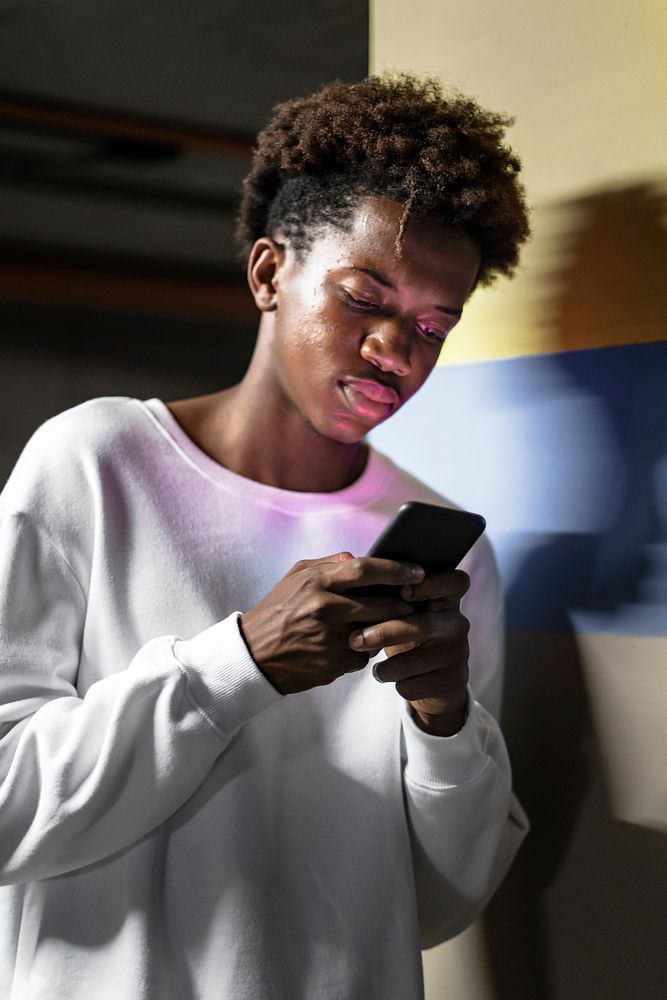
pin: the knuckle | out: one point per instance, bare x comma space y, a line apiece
402, 689
433, 626
313, 578
355, 570
301, 566
463, 624
409, 688
319, 606
317, 613
354, 610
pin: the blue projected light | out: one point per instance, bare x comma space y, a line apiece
566, 457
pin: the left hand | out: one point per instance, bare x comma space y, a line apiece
427, 652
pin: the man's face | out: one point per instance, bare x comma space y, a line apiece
358, 324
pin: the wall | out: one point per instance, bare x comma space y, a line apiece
55, 357
548, 414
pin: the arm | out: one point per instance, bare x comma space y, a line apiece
82, 778
465, 824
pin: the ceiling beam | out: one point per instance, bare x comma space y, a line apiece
118, 287
72, 119
44, 179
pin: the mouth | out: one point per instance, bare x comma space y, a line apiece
369, 399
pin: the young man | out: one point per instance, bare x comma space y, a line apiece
205, 792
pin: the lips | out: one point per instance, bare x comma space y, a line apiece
369, 398
375, 391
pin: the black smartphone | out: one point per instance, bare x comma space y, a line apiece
434, 537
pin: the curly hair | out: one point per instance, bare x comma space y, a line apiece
438, 154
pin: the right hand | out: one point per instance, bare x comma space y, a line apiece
298, 634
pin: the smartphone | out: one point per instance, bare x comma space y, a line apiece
434, 537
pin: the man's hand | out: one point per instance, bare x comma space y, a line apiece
298, 634
427, 652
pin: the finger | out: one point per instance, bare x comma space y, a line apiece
440, 628
422, 661
387, 633
440, 687
341, 612
372, 610
401, 648
448, 588
303, 564
369, 571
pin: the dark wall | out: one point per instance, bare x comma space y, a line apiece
51, 359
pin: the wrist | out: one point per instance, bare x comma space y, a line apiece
446, 724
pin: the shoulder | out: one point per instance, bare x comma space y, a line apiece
401, 483
95, 421
94, 424
67, 450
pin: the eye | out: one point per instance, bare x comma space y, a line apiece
358, 302
431, 334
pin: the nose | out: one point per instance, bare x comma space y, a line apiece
388, 346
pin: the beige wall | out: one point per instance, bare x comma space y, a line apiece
586, 82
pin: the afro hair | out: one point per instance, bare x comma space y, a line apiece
438, 154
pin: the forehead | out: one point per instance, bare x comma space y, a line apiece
427, 252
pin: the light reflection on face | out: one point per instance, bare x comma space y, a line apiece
358, 324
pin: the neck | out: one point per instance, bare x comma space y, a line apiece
248, 432
294, 457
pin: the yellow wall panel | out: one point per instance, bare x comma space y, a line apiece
587, 86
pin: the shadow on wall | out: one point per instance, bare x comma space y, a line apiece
613, 289
581, 914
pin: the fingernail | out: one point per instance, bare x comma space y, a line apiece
407, 592
357, 640
375, 674
417, 573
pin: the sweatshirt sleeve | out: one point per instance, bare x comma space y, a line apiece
84, 777
465, 823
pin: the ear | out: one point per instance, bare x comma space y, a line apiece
264, 264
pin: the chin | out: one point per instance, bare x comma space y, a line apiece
342, 427
346, 431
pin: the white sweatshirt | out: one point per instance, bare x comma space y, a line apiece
170, 826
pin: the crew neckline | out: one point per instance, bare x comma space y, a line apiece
359, 493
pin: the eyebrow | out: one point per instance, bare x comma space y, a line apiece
381, 280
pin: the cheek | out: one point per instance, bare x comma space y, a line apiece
325, 343
311, 357
311, 324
